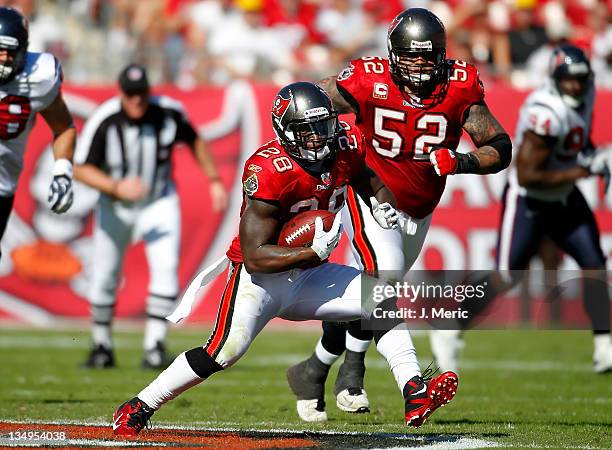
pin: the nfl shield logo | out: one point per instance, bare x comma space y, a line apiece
326, 179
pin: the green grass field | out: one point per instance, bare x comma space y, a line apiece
517, 388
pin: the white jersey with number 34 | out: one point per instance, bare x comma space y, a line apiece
30, 92
546, 114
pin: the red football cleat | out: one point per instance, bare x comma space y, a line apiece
423, 396
131, 417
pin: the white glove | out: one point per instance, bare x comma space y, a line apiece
385, 214
406, 224
325, 242
597, 163
60, 192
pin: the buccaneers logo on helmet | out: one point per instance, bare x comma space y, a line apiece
280, 105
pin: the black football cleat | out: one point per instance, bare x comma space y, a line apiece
350, 393
307, 381
156, 358
100, 357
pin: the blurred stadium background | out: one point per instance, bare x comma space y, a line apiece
224, 59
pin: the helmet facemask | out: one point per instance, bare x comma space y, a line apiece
312, 139
569, 63
14, 42
16, 58
575, 100
416, 41
423, 72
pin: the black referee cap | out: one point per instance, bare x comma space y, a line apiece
133, 79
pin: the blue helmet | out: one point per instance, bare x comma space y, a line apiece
14, 39
569, 61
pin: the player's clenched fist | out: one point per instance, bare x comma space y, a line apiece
444, 161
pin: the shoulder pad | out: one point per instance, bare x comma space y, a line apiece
43, 72
542, 115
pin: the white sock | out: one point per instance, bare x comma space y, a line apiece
324, 356
155, 331
177, 378
356, 345
602, 342
397, 348
101, 335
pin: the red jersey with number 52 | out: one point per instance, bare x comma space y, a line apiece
399, 135
270, 174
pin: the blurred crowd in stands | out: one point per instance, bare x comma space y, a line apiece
191, 42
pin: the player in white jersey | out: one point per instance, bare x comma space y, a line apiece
541, 198
125, 152
30, 83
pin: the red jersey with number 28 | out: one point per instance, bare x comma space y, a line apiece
399, 135
270, 174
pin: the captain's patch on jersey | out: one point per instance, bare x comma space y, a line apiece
381, 90
251, 184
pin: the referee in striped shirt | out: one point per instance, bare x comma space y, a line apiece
124, 152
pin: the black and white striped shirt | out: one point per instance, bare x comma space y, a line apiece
125, 148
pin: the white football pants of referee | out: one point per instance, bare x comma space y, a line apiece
158, 224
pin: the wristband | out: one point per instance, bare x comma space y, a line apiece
467, 163
62, 167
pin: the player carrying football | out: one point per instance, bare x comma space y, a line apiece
310, 166
412, 109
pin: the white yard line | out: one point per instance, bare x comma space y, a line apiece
287, 359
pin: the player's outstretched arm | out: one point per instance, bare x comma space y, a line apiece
60, 122
259, 229
532, 155
340, 104
494, 148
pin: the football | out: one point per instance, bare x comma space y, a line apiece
300, 230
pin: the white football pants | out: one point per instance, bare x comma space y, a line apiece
249, 302
158, 224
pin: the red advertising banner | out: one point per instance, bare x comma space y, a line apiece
47, 259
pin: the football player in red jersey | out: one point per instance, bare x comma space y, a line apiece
412, 109
309, 166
